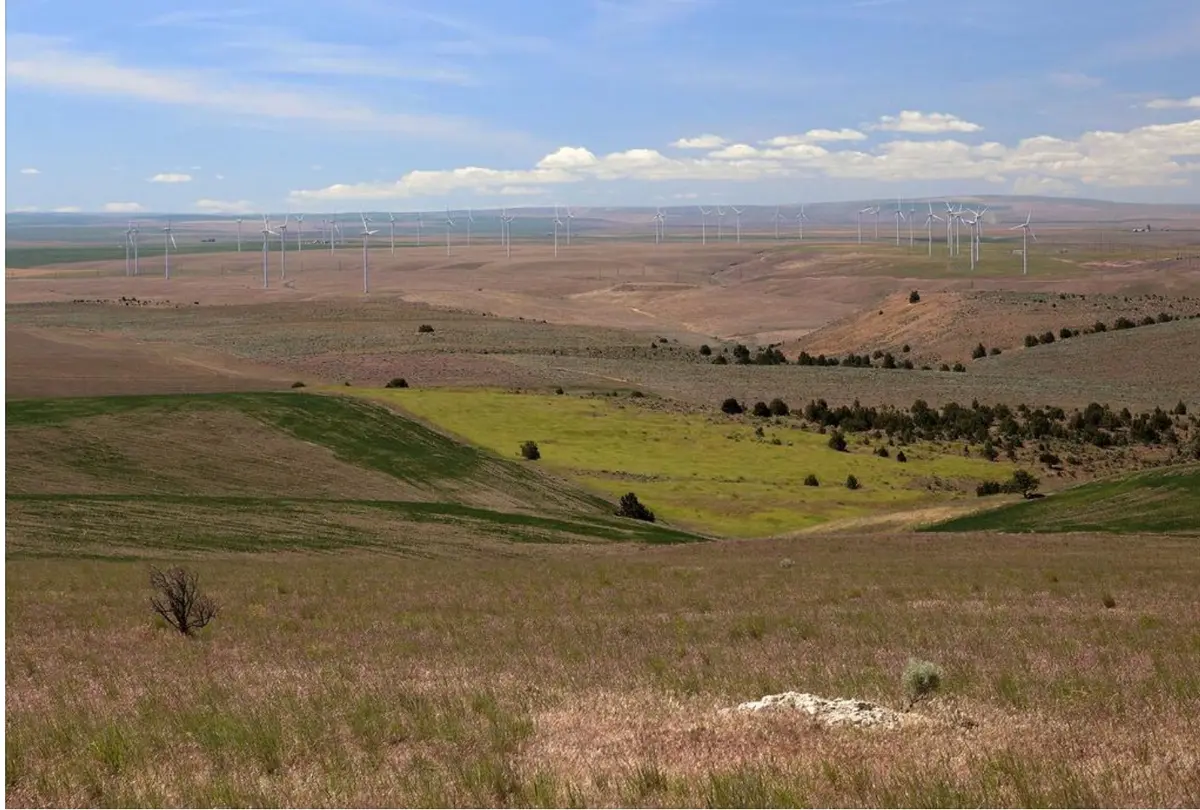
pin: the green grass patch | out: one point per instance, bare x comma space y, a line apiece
710, 472
21, 258
1164, 500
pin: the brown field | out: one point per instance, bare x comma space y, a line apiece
367, 654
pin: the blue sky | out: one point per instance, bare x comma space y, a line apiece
390, 104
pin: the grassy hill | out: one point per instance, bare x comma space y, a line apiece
1162, 500
271, 470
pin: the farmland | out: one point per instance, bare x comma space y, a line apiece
412, 614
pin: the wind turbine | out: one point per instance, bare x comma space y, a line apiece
862, 211
471, 219
703, 225
449, 225
570, 217
738, 214
506, 230
1026, 232
929, 226
720, 219
899, 215
128, 234
971, 223
778, 217
134, 233
168, 242
660, 227
300, 233
979, 232
392, 231
239, 231
800, 222
912, 213
333, 229
949, 229
418, 229
367, 233
876, 211
267, 233
557, 225
283, 246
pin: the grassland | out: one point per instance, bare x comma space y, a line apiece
1162, 500
594, 675
709, 472
26, 257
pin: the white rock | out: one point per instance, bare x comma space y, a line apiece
831, 712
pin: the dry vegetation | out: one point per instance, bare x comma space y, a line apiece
594, 677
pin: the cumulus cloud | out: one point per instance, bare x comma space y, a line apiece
921, 123
223, 206
1159, 155
30, 170
1174, 103
700, 142
67, 209
1051, 186
816, 136
122, 207
171, 177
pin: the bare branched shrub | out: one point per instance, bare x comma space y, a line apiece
178, 599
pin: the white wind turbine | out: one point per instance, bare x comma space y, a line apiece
267, 233
418, 229
876, 210
570, 217
720, 219
971, 223
392, 231
737, 212
800, 218
1026, 232
239, 232
557, 225
950, 229
862, 211
283, 246
703, 225
912, 214
506, 230
778, 216
367, 233
128, 244
471, 220
300, 233
333, 229
660, 229
978, 240
899, 215
449, 225
929, 220
134, 234
168, 242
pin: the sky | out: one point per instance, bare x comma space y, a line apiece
244, 107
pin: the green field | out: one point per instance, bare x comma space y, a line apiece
245, 472
1164, 500
19, 258
708, 472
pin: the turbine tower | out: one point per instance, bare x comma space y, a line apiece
778, 216
136, 268
703, 225
899, 215
862, 211
300, 233
239, 232
929, 220
283, 246
418, 229
737, 212
449, 225
367, 233
912, 213
949, 229
1026, 232
557, 225
471, 219
506, 229
876, 210
392, 231
800, 222
720, 219
267, 233
660, 226
168, 242
128, 245
570, 217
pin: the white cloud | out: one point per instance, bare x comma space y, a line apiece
122, 207
24, 209
922, 123
685, 196
170, 177
816, 136
700, 142
1051, 186
519, 191
220, 176
67, 209
1159, 155
47, 63
1174, 103
224, 206
30, 170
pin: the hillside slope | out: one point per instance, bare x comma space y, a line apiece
1161, 500
251, 471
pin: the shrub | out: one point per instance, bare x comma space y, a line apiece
959, 367
1024, 482
1148, 321
779, 407
978, 352
908, 365
732, 407
297, 384
995, 350
1047, 337
558, 391
837, 441
178, 599
852, 482
631, 507
1099, 326
889, 361
1065, 333
720, 360
906, 348
1108, 601
1049, 459
943, 367
705, 350
810, 480
882, 452
396, 382
424, 329
921, 679
1030, 341
986, 488
636, 394
989, 451
761, 410
1180, 409
900, 457
914, 297
1124, 323
530, 451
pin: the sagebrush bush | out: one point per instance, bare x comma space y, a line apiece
778, 407
732, 407
837, 441
921, 679
178, 600
761, 410
297, 384
631, 507
914, 297
424, 328
900, 457
810, 480
852, 482
530, 451
395, 382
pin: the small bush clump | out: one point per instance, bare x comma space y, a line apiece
810, 480
732, 407
530, 451
424, 329
178, 600
779, 407
914, 297
900, 457
1108, 601
837, 441
297, 384
921, 680
705, 350
395, 382
761, 410
978, 352
631, 507
852, 482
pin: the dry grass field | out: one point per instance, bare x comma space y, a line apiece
412, 615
